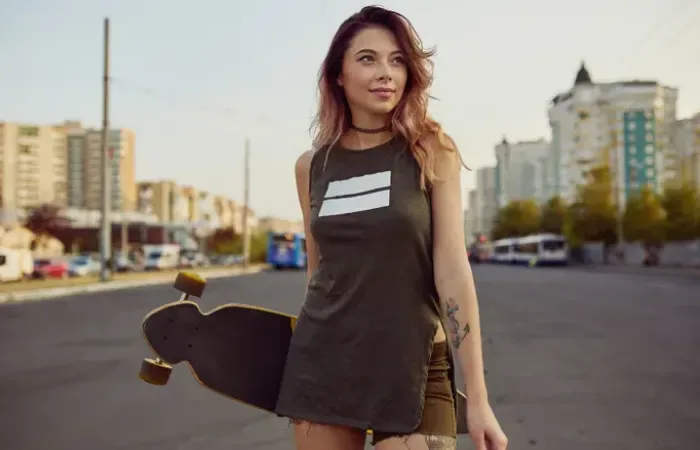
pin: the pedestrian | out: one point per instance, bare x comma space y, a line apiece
389, 282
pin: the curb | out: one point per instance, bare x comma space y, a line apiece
45, 294
666, 272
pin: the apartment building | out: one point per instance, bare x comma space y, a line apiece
687, 145
467, 222
238, 211
206, 211
277, 225
486, 198
33, 166
158, 198
626, 124
224, 210
85, 162
191, 204
523, 171
172, 203
472, 216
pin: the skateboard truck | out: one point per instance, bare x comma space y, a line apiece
154, 370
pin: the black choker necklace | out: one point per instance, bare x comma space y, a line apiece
371, 130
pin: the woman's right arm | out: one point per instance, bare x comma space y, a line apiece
302, 170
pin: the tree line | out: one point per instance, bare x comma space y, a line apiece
648, 217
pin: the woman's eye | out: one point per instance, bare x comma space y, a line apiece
366, 58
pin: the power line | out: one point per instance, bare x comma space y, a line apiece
662, 23
693, 20
205, 107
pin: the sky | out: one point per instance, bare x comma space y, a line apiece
195, 79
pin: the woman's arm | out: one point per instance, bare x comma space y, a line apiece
301, 170
453, 275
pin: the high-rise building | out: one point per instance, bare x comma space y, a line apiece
523, 171
468, 222
471, 221
206, 211
85, 174
625, 124
687, 146
486, 199
33, 166
190, 197
159, 198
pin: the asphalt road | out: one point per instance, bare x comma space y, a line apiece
575, 360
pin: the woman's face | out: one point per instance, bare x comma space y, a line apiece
374, 71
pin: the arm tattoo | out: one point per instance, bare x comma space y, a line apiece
458, 332
441, 442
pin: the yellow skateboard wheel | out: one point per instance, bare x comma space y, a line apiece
155, 372
190, 283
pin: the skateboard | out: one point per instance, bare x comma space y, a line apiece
236, 350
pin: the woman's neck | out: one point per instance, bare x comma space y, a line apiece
355, 140
367, 131
369, 121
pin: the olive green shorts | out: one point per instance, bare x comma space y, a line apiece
439, 411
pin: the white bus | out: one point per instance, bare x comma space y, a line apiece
503, 251
541, 250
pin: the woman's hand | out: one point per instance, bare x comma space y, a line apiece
484, 428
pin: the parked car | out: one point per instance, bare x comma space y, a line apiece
50, 268
193, 259
82, 266
126, 263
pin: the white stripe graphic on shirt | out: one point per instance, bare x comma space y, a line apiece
355, 195
357, 185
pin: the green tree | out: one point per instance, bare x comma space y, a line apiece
517, 218
258, 247
644, 219
682, 206
593, 216
46, 219
553, 215
225, 241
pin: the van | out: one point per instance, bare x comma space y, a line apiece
161, 257
15, 265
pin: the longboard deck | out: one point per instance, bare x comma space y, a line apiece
238, 351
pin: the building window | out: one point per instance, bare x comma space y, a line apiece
29, 131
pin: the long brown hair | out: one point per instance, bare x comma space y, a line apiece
410, 117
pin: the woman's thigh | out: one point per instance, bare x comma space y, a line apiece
312, 436
438, 426
418, 442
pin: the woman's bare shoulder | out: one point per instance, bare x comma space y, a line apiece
303, 162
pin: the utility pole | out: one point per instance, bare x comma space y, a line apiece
106, 224
246, 203
619, 190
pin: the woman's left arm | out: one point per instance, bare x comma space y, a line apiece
453, 275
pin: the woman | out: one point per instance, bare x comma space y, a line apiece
388, 278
